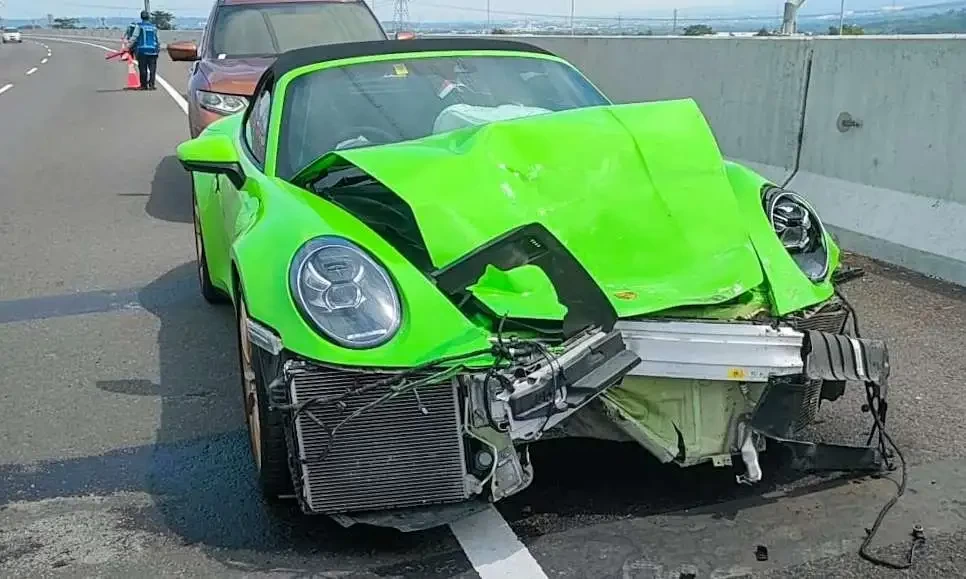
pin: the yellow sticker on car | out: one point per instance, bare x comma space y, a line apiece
400, 70
737, 373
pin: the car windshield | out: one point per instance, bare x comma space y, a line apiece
388, 101
9, 29
248, 30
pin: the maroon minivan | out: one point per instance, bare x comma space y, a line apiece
243, 37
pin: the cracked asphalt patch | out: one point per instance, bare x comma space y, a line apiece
62, 532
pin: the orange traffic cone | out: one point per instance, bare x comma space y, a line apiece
133, 79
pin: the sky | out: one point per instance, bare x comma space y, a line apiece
429, 10
418, 9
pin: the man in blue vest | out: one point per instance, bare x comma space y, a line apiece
145, 46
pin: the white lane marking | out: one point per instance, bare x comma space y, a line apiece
44, 61
175, 95
493, 548
5, 88
31, 71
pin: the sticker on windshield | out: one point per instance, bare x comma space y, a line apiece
399, 70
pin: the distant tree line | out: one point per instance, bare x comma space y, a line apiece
163, 19
65, 23
949, 22
698, 30
847, 30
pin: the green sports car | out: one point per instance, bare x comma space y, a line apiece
440, 251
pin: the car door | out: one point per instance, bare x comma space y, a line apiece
239, 206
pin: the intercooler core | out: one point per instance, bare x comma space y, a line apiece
407, 451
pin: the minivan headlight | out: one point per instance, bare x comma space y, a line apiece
223, 104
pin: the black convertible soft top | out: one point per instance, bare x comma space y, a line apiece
305, 56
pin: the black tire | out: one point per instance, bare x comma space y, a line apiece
211, 294
271, 457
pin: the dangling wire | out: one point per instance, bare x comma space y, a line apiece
874, 403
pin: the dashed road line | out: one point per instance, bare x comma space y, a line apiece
31, 71
44, 61
5, 88
182, 103
493, 548
175, 95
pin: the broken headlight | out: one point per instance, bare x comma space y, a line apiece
800, 230
344, 293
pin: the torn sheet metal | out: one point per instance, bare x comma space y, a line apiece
683, 420
702, 386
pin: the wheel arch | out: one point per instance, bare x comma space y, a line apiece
235, 283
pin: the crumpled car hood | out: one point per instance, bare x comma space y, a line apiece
638, 193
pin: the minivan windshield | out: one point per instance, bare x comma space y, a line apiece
249, 30
408, 97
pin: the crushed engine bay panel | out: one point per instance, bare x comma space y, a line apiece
690, 421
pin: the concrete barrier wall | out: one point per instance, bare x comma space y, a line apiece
115, 35
894, 187
750, 90
891, 188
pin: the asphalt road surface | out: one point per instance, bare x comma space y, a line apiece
123, 451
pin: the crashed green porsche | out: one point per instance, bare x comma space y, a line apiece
442, 251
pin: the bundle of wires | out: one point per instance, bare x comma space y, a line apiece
444, 368
876, 406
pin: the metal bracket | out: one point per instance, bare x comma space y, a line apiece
839, 357
811, 456
737, 352
845, 122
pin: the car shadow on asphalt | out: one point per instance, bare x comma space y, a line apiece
170, 198
202, 482
200, 472
581, 482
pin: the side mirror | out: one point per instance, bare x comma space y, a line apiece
405, 35
183, 51
213, 154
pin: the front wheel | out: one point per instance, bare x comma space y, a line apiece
211, 294
266, 430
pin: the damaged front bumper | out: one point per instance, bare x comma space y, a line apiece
688, 391
709, 391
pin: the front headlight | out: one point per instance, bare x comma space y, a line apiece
344, 293
800, 230
223, 104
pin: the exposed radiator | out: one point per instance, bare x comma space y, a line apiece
808, 410
829, 319
391, 456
